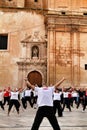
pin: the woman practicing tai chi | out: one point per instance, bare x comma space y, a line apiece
45, 105
14, 100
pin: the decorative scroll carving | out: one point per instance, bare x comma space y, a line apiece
35, 37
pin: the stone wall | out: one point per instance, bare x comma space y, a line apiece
17, 24
65, 30
67, 49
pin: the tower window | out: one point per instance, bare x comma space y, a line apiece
35, 0
3, 42
9, 0
63, 13
85, 13
85, 66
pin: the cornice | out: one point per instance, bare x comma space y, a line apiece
68, 23
76, 20
32, 62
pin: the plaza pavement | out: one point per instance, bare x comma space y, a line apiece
75, 120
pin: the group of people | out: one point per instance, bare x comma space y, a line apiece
17, 97
67, 97
50, 100
44, 100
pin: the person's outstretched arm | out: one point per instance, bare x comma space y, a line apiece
29, 84
59, 82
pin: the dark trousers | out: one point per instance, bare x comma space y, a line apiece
80, 101
15, 103
6, 99
57, 107
24, 103
85, 103
66, 102
48, 112
27, 98
1, 104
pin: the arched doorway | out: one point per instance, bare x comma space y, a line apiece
35, 78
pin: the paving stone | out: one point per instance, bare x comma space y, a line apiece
75, 120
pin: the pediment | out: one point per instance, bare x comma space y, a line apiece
35, 37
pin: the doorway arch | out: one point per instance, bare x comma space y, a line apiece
35, 78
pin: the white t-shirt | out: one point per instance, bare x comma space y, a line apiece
57, 96
1, 96
14, 95
35, 93
22, 95
65, 94
74, 94
45, 96
28, 92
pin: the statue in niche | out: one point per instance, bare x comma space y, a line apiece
35, 51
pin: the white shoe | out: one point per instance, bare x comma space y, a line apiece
83, 111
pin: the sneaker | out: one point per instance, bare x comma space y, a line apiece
83, 111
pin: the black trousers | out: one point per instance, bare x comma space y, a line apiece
28, 98
48, 112
1, 104
24, 104
57, 107
66, 102
15, 103
85, 103
6, 99
80, 101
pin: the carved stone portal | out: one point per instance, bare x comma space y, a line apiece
33, 59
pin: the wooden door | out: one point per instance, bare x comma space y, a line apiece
35, 78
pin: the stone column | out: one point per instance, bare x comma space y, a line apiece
76, 56
23, 52
28, 51
51, 56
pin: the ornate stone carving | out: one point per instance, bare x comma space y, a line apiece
35, 37
34, 51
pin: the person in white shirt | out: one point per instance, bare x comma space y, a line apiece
35, 99
14, 100
66, 100
45, 105
75, 96
57, 102
23, 101
1, 99
27, 96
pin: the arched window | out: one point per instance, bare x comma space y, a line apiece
35, 51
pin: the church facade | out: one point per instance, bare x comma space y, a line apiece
43, 40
